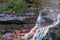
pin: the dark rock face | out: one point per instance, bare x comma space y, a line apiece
11, 22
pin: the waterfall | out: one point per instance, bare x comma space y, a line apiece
53, 14
41, 32
39, 20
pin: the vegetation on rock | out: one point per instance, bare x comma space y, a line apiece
15, 6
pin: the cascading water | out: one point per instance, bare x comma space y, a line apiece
41, 32
38, 22
54, 14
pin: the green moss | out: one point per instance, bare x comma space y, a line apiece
15, 6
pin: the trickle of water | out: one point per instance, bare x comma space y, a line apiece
39, 20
